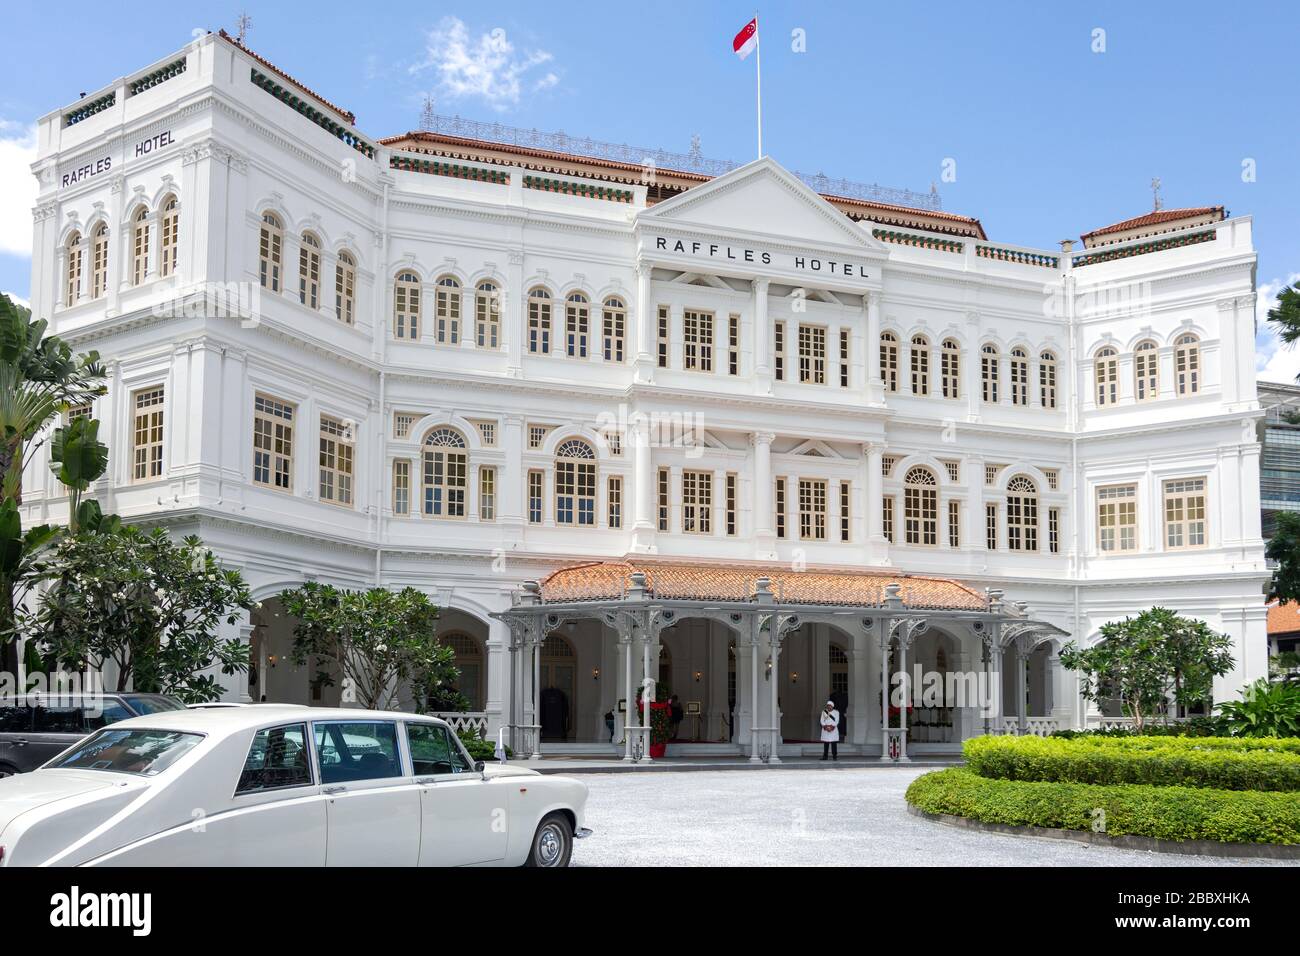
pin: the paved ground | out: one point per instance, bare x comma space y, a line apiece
830, 817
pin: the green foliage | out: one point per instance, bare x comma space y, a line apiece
144, 601
78, 458
1266, 709
1146, 660
381, 641
1184, 762
1285, 314
1165, 813
1193, 727
479, 748
1284, 550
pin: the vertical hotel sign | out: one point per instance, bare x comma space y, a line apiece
105, 163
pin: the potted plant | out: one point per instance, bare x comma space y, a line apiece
660, 720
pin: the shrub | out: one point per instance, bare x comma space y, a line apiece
1165, 813
1195, 727
1266, 709
1185, 762
479, 748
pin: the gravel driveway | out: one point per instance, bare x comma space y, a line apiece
806, 818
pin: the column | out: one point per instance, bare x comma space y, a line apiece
904, 639
1022, 724
877, 546
859, 695
648, 696
644, 325
754, 665
875, 390
513, 305
764, 532
535, 647
774, 681
629, 694
885, 625
762, 339
644, 526
497, 702
973, 535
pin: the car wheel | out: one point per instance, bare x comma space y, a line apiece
552, 843
7, 771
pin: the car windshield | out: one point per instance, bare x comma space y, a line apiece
141, 751
151, 703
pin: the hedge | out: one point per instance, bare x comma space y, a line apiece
1164, 813
1111, 761
1289, 745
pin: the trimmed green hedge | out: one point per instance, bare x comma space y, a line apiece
1165, 813
1289, 745
1163, 761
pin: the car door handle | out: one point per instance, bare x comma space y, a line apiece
426, 779
333, 790
20, 742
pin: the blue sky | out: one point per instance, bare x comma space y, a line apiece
1049, 136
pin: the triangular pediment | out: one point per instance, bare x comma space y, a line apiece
761, 199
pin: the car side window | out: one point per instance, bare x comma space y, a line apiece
276, 759
108, 712
357, 750
58, 720
434, 750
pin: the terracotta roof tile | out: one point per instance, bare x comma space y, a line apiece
607, 581
1154, 219
346, 114
1283, 618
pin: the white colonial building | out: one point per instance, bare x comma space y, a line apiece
465, 363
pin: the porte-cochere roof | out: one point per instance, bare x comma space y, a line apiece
609, 580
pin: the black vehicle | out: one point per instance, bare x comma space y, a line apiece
36, 728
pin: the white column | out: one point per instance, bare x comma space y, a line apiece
497, 704
644, 526
973, 534
644, 325
764, 533
629, 693
876, 390
774, 648
877, 546
884, 689
762, 339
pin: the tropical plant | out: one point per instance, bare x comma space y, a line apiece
142, 601
1148, 660
78, 458
1283, 551
1285, 314
381, 641
1266, 709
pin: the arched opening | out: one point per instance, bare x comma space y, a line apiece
557, 700
697, 663
273, 675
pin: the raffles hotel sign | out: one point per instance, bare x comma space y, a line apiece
812, 262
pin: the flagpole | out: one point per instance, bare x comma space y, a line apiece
758, 49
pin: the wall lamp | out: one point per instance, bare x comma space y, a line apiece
595, 673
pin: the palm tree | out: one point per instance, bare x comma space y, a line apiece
39, 378
1286, 314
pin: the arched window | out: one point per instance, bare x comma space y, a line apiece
309, 271
1146, 371
99, 261
1022, 514
469, 662
406, 306
577, 318
140, 246
921, 507
169, 236
889, 361
989, 362
487, 315
446, 473
1187, 364
446, 329
1019, 369
920, 365
270, 251
1047, 379
345, 288
72, 288
613, 329
950, 368
1106, 371
539, 321
575, 483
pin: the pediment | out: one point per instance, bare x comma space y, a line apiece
761, 199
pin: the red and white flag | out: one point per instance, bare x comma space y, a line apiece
746, 40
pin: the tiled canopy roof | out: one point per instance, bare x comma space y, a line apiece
1154, 219
346, 114
1283, 618
607, 581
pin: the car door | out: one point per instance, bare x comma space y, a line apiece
372, 805
464, 819
15, 736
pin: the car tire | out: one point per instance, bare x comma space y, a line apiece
552, 843
8, 771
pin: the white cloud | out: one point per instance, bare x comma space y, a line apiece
17, 187
1274, 361
16, 299
486, 67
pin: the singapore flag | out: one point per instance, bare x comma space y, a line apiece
746, 40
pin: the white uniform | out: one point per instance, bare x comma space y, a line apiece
833, 718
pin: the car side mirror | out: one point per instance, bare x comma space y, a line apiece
478, 766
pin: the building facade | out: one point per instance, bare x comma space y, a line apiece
463, 365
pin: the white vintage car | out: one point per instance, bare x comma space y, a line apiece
284, 786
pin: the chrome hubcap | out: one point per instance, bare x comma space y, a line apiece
550, 844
